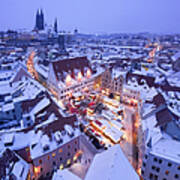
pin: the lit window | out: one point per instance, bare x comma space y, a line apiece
166, 172
37, 170
48, 157
60, 150
61, 167
68, 161
75, 158
53, 154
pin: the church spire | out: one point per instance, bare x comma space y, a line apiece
37, 19
55, 26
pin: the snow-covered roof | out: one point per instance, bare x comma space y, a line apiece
116, 167
12, 164
52, 145
174, 79
20, 170
118, 72
176, 56
64, 175
167, 148
41, 105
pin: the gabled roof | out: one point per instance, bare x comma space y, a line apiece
159, 100
163, 117
17, 167
29, 104
173, 130
111, 165
67, 65
150, 80
20, 74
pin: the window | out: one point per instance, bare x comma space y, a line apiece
176, 176
69, 154
40, 161
61, 167
160, 161
144, 164
142, 172
166, 172
41, 169
68, 161
158, 169
151, 176
75, 149
60, 158
155, 159
75, 142
155, 177
54, 163
53, 154
69, 146
48, 157
169, 164
153, 167
60, 150
146, 156
179, 168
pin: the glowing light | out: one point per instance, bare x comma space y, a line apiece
53, 154
61, 167
30, 65
68, 161
75, 158
88, 73
139, 171
60, 150
124, 137
68, 80
79, 78
37, 170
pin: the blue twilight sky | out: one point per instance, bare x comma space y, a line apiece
95, 16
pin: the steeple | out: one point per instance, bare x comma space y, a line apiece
55, 26
39, 20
